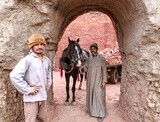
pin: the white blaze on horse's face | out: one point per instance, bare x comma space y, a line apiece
79, 58
77, 52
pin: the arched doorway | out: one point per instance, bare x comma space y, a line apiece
125, 23
89, 27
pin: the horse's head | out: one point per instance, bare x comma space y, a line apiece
75, 51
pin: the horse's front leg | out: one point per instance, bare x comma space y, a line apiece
67, 76
73, 91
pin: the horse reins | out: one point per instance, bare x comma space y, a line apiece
69, 70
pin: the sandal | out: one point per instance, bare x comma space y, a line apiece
100, 119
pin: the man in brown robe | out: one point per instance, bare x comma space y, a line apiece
96, 81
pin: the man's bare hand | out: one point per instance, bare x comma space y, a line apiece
34, 89
103, 85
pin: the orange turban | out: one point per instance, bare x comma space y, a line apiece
36, 39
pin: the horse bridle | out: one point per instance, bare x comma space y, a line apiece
69, 70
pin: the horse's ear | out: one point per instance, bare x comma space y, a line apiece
78, 40
69, 40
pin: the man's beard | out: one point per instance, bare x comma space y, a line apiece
94, 53
39, 53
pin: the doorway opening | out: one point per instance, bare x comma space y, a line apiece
90, 27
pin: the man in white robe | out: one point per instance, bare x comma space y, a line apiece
96, 84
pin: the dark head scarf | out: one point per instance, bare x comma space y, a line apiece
94, 45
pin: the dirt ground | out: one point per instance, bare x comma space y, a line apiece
77, 113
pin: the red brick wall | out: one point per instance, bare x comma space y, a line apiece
90, 27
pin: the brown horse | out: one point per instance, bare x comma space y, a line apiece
70, 62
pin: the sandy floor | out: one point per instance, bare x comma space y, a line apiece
77, 113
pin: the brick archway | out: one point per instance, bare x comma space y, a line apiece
125, 22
